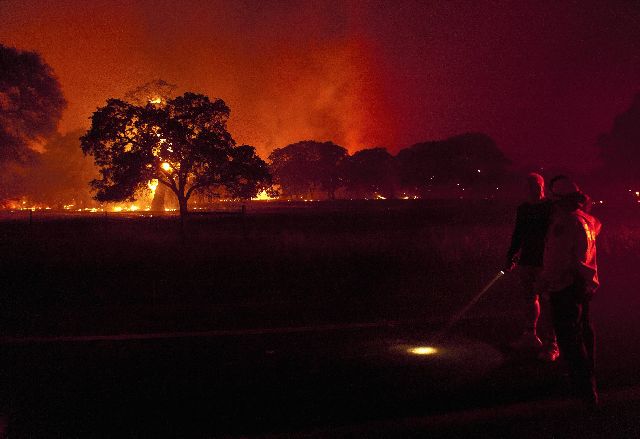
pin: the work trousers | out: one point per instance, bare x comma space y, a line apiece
576, 338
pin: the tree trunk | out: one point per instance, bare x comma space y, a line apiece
183, 206
157, 204
182, 201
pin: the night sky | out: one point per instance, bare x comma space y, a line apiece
544, 79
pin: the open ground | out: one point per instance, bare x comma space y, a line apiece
291, 317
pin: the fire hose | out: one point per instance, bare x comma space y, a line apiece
460, 314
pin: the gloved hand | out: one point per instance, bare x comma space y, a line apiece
509, 265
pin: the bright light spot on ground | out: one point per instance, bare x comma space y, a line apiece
422, 350
380, 197
478, 171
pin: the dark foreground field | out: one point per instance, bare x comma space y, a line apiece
287, 319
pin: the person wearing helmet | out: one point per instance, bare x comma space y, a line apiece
570, 277
524, 257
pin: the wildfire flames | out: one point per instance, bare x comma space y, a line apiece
262, 196
153, 185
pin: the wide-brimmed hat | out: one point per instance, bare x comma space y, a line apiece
564, 187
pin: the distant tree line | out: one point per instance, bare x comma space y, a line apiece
618, 177
466, 165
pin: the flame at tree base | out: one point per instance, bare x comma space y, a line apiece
262, 196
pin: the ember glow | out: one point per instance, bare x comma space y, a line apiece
128, 208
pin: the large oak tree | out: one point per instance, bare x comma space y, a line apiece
183, 143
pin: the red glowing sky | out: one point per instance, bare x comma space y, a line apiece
542, 78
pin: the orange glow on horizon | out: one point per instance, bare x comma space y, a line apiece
326, 89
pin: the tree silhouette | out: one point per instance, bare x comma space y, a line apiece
183, 143
302, 167
471, 160
370, 172
31, 103
620, 148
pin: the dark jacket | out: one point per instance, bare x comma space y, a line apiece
532, 222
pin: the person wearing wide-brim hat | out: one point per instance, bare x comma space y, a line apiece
570, 277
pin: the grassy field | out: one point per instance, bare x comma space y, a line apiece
415, 263
279, 264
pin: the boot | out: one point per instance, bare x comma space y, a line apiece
549, 352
